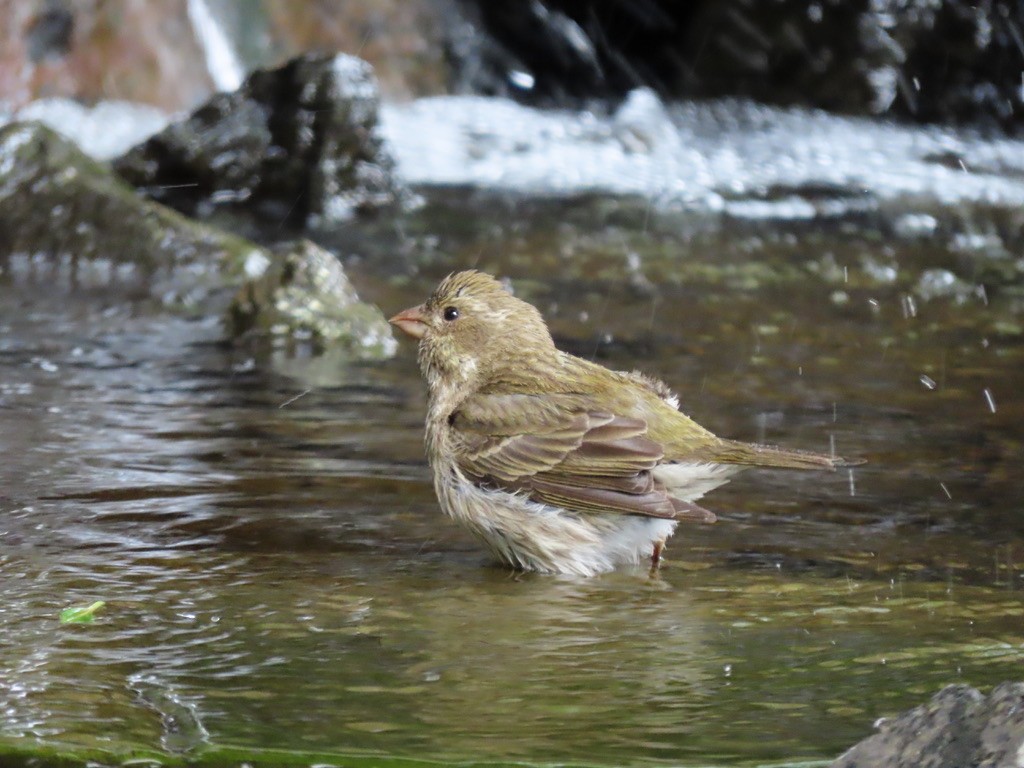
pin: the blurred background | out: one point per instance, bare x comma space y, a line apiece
921, 60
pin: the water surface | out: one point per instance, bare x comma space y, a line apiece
277, 574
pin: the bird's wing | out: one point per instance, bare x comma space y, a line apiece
562, 450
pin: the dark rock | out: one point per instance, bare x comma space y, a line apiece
948, 60
56, 202
299, 142
928, 60
958, 728
832, 55
49, 33
401, 39
824, 54
963, 62
69, 219
303, 292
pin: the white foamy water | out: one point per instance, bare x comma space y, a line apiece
719, 154
747, 159
104, 131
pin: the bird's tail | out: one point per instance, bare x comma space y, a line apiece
754, 455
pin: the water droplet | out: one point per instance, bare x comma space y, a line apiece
990, 400
928, 381
909, 306
523, 80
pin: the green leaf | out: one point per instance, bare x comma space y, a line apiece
83, 614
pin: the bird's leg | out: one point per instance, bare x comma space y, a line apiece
659, 547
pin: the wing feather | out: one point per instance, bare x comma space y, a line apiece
559, 451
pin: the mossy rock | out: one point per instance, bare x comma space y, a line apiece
56, 201
303, 291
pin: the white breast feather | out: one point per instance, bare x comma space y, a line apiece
546, 538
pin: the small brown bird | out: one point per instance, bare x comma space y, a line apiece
558, 464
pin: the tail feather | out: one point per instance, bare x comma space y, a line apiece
754, 455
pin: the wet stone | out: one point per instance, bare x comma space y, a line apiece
928, 60
299, 142
55, 201
957, 727
943, 284
302, 291
71, 221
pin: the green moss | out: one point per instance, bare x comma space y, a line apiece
91, 213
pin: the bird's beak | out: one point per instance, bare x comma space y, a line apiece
413, 321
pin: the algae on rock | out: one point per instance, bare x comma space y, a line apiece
57, 201
63, 214
303, 290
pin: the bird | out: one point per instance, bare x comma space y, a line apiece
556, 463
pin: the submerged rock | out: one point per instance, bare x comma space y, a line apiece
299, 142
959, 727
303, 292
943, 284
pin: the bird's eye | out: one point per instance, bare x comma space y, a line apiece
450, 313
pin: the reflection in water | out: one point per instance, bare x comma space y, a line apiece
277, 574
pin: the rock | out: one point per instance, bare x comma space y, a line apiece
947, 60
835, 55
401, 39
94, 50
69, 219
299, 142
91, 50
957, 728
962, 62
930, 60
303, 292
57, 202
943, 284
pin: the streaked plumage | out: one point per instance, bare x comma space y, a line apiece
558, 464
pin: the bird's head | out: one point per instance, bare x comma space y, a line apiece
472, 331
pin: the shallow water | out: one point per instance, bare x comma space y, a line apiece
277, 575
